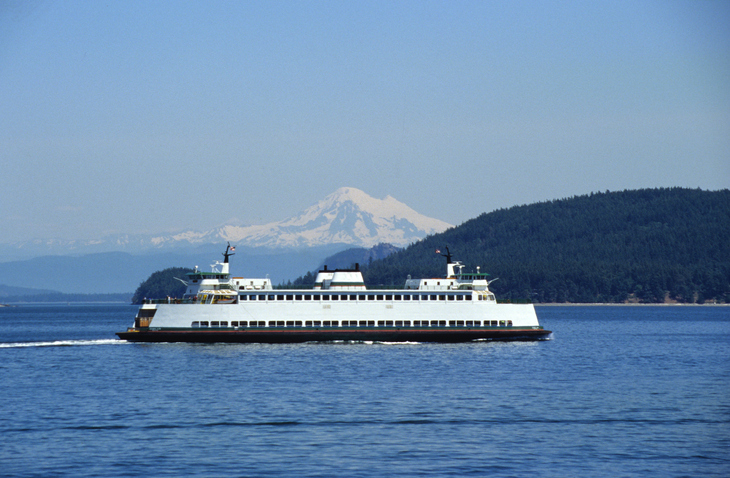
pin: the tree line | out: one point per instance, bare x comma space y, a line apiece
644, 246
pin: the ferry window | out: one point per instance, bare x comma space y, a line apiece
452, 323
442, 323
243, 323
389, 323
434, 323
381, 323
397, 296
494, 323
478, 323
298, 323
307, 297
280, 323
308, 323
371, 297
215, 323
353, 297
234, 323
451, 296
325, 297
196, 324
298, 297
371, 323
280, 297
289, 297
460, 297
363, 323
271, 297
290, 323
380, 297
406, 323
243, 297
501, 323
317, 323
433, 296
405, 297
459, 323
388, 297
326, 323
263, 297
509, 323
335, 323
204, 323
361, 297
335, 297
399, 323
224, 323
416, 323
469, 323
467, 297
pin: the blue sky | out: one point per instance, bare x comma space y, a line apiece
149, 117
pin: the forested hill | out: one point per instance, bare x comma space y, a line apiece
648, 246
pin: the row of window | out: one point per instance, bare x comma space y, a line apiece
361, 297
353, 323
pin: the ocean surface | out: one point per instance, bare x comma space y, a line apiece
619, 391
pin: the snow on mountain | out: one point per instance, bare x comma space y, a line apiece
347, 216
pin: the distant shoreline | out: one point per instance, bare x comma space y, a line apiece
547, 304
608, 304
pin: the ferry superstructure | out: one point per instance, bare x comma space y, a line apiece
217, 307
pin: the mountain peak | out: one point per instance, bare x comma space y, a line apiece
347, 216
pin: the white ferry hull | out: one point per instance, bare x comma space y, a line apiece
388, 321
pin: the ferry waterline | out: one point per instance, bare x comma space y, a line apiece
217, 307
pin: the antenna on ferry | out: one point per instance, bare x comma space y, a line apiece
227, 254
447, 255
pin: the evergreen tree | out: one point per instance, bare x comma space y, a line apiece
162, 284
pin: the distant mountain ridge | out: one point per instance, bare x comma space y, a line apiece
348, 217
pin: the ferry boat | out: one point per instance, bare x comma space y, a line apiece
217, 307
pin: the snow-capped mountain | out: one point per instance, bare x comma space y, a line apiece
347, 216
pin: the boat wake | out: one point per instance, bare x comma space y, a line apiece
62, 343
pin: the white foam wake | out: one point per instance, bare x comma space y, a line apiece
62, 343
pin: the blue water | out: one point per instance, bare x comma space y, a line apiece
619, 391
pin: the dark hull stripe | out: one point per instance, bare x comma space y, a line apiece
328, 335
